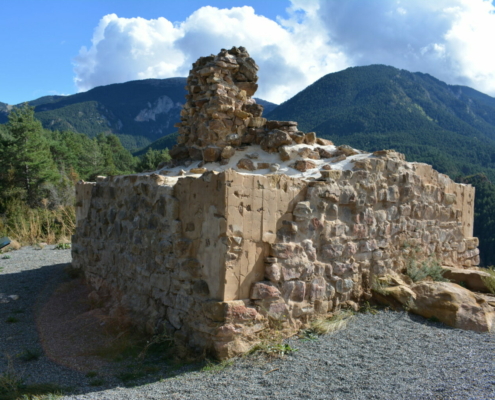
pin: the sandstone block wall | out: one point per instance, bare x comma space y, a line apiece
215, 258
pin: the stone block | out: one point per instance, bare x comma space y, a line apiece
294, 290
246, 163
273, 272
264, 290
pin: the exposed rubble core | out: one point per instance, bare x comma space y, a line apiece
257, 223
220, 114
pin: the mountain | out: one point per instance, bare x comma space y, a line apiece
138, 112
267, 106
379, 107
165, 142
4, 111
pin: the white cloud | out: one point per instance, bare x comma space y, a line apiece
290, 55
450, 39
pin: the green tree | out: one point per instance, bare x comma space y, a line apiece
117, 160
153, 158
26, 162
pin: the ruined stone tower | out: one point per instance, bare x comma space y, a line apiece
255, 221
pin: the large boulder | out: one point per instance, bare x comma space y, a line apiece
472, 279
450, 303
453, 305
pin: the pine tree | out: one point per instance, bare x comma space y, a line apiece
27, 156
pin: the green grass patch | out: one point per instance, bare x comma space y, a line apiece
216, 366
30, 355
273, 349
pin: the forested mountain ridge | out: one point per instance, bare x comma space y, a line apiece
4, 111
377, 107
138, 112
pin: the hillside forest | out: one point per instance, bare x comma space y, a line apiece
381, 107
39, 168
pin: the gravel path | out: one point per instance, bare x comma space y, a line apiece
384, 356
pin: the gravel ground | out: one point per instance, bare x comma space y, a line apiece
384, 356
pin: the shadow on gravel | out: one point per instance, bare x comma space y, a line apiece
433, 322
53, 338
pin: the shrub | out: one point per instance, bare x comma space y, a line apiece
428, 268
63, 246
489, 281
272, 349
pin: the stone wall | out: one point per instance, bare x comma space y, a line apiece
214, 258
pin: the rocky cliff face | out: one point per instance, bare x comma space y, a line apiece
256, 224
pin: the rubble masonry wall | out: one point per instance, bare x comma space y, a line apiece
215, 258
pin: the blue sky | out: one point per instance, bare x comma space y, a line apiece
41, 37
66, 46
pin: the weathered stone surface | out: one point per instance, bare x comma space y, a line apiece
227, 152
303, 165
211, 154
264, 290
472, 279
275, 139
273, 272
197, 170
249, 87
453, 305
246, 163
323, 142
310, 138
280, 124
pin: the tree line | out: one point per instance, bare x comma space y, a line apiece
39, 167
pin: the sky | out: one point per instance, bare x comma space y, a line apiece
61, 47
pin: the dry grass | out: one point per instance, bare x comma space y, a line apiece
380, 285
337, 322
34, 225
14, 245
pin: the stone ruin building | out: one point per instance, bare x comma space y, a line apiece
255, 223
